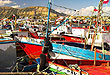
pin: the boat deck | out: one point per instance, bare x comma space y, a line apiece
96, 70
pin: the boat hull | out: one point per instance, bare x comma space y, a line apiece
86, 66
78, 52
73, 39
33, 51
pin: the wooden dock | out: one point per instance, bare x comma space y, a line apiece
16, 73
21, 73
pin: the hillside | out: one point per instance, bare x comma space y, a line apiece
28, 11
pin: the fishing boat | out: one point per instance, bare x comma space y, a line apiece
59, 48
73, 67
33, 47
82, 34
83, 67
79, 34
34, 33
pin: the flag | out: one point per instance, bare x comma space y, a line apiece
105, 1
13, 15
95, 9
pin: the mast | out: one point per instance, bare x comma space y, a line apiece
49, 7
96, 25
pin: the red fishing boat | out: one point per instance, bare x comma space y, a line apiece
74, 67
87, 66
77, 35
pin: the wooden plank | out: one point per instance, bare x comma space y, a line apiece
94, 56
6, 40
18, 73
108, 64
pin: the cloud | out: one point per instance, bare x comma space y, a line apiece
15, 6
106, 9
88, 11
24, 4
3, 2
14, 3
66, 11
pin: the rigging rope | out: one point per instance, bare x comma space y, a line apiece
64, 7
76, 50
76, 12
50, 64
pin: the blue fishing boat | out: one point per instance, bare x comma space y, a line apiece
78, 52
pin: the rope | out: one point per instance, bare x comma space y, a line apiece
72, 68
21, 58
76, 65
16, 66
49, 65
64, 7
66, 64
75, 11
28, 48
76, 50
53, 60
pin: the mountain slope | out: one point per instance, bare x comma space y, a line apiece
28, 11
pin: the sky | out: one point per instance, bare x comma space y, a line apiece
83, 5
75, 4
